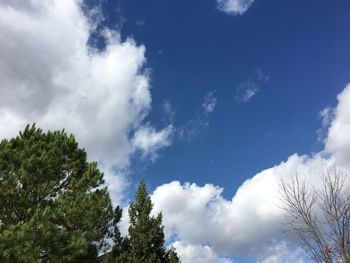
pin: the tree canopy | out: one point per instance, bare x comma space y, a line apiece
53, 205
145, 242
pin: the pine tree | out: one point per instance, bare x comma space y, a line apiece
173, 258
120, 244
146, 233
53, 207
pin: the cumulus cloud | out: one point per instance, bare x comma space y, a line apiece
280, 252
197, 254
148, 140
234, 7
252, 216
338, 140
251, 222
49, 75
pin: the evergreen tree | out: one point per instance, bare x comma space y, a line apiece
146, 234
120, 243
173, 258
53, 207
117, 237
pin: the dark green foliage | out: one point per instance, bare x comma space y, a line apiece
91, 255
146, 233
117, 238
173, 258
52, 205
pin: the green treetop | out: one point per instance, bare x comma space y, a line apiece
53, 207
146, 233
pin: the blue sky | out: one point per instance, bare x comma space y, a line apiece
213, 102
193, 48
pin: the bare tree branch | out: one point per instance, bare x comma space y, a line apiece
319, 219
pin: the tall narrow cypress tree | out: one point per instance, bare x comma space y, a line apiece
146, 233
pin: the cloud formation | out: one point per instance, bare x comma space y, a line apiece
280, 252
49, 75
249, 88
338, 140
197, 253
209, 102
149, 141
200, 121
251, 221
234, 7
198, 214
246, 91
327, 116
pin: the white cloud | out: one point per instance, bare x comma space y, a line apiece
327, 116
49, 75
168, 112
209, 102
250, 88
262, 76
201, 120
250, 222
246, 91
148, 140
234, 7
338, 140
280, 252
140, 23
197, 254
252, 216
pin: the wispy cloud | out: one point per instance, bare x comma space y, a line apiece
246, 91
169, 113
262, 75
200, 121
249, 88
140, 23
234, 7
327, 115
209, 102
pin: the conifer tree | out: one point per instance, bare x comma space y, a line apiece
53, 207
173, 258
146, 233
